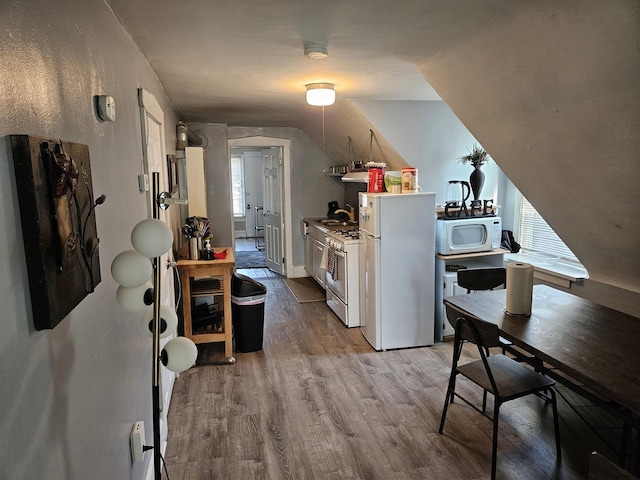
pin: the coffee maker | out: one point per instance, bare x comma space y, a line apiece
458, 192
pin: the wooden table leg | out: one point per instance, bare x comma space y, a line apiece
185, 278
228, 329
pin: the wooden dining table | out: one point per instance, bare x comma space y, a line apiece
588, 347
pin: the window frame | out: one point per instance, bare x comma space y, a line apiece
238, 198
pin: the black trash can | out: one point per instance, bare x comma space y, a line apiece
247, 309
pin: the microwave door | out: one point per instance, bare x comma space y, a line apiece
473, 235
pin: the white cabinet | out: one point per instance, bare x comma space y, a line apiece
313, 250
196, 188
447, 281
318, 272
308, 254
313, 260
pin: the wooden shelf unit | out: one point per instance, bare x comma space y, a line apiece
446, 283
221, 270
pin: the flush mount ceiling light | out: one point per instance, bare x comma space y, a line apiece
320, 94
316, 52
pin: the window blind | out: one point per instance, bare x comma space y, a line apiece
536, 234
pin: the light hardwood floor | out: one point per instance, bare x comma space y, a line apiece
319, 403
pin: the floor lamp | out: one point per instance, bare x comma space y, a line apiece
132, 269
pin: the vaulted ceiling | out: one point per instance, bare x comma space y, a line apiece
550, 88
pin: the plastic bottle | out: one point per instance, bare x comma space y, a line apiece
208, 251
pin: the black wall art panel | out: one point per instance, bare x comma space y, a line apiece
57, 210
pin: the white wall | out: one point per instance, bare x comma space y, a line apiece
426, 134
69, 396
430, 137
551, 90
310, 189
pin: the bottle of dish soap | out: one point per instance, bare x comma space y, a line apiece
208, 251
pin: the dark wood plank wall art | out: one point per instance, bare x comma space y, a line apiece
57, 210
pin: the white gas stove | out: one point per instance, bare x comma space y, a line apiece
342, 280
345, 235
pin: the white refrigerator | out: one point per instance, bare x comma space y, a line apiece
397, 269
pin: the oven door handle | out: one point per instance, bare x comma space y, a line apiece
339, 253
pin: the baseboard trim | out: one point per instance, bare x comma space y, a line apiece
296, 271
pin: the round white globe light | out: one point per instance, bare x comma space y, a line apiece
151, 238
168, 321
135, 299
130, 269
179, 354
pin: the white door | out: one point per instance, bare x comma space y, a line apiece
154, 159
272, 163
152, 124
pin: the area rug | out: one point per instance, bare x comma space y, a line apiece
250, 259
305, 290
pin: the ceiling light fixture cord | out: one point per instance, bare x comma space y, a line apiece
371, 146
323, 128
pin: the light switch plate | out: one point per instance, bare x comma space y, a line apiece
106, 108
143, 182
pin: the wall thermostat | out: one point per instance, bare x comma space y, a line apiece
106, 108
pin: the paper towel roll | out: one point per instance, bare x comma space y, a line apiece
519, 288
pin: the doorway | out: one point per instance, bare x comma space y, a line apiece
278, 230
247, 190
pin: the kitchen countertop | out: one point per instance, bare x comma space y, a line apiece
331, 222
327, 224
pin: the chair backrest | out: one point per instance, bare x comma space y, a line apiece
482, 278
470, 329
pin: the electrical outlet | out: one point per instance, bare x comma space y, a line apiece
136, 440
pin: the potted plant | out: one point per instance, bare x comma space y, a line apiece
476, 157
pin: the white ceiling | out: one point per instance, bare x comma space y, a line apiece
243, 63
548, 87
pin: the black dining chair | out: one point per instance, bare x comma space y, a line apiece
503, 377
479, 279
474, 279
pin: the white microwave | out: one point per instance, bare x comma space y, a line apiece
468, 235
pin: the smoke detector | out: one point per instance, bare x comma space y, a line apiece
316, 52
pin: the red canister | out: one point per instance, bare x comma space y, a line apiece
376, 178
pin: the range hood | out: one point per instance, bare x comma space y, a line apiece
356, 177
